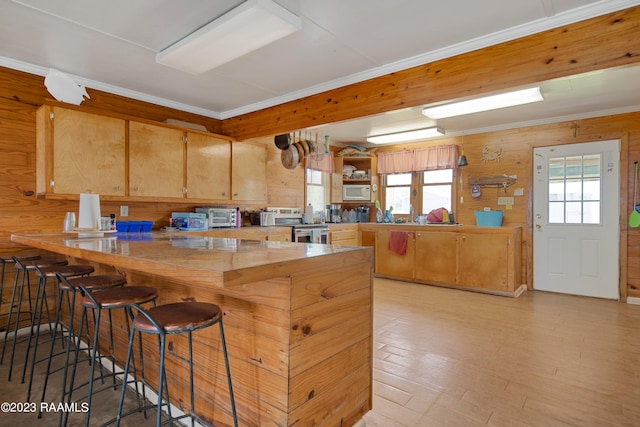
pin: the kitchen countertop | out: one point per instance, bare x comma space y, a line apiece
210, 261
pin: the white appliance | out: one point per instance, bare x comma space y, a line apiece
219, 217
356, 192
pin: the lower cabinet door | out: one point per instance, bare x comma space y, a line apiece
389, 263
436, 257
483, 261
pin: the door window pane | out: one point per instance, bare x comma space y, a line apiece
575, 189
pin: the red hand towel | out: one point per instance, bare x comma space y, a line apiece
398, 242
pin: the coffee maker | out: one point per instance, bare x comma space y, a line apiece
362, 213
333, 213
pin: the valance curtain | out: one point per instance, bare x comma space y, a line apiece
320, 162
395, 162
433, 158
418, 160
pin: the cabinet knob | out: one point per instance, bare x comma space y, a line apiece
464, 238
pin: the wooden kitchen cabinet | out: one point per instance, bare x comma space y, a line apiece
156, 161
343, 234
248, 171
388, 263
468, 257
208, 167
436, 256
483, 261
279, 234
125, 158
79, 152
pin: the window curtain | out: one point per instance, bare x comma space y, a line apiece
320, 162
395, 162
433, 158
418, 160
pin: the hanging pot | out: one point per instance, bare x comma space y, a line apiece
299, 145
290, 157
283, 141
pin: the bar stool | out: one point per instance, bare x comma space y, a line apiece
8, 259
167, 319
97, 301
69, 287
45, 273
23, 270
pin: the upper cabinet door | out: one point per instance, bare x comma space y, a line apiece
84, 153
156, 161
249, 172
208, 167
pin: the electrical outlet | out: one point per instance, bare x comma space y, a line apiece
124, 210
505, 201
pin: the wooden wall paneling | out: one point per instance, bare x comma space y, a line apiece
597, 43
29, 89
285, 187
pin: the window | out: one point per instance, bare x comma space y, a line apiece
436, 189
574, 189
317, 189
432, 189
398, 193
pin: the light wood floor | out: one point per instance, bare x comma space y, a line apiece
444, 357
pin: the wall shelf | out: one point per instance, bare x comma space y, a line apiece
500, 181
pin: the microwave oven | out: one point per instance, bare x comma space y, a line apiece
356, 192
219, 217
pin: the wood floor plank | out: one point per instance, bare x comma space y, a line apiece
449, 357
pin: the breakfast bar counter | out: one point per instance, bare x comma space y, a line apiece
297, 317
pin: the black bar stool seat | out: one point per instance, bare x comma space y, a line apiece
98, 300
91, 283
175, 318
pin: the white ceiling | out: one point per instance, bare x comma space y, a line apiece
111, 46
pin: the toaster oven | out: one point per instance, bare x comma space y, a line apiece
219, 217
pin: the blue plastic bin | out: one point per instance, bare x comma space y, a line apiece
489, 218
122, 226
134, 226
145, 226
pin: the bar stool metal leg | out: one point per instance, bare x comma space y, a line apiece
175, 318
44, 273
25, 269
99, 300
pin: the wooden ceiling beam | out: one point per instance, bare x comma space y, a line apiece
606, 41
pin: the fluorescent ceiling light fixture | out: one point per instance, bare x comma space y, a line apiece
245, 28
493, 102
410, 135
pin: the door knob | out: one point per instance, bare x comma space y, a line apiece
538, 226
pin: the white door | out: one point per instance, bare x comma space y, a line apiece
575, 218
